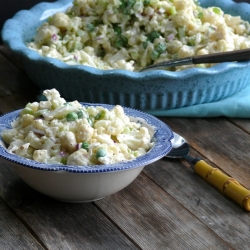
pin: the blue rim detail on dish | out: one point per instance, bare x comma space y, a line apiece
162, 137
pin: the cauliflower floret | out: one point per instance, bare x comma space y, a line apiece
68, 141
23, 151
9, 134
40, 124
75, 23
114, 127
118, 111
213, 15
60, 20
56, 123
104, 138
52, 132
94, 111
185, 18
79, 158
245, 45
15, 144
30, 108
54, 97
123, 64
84, 131
87, 59
112, 159
45, 105
50, 52
184, 4
41, 155
45, 33
202, 51
186, 51
136, 139
59, 112
26, 120
232, 21
34, 140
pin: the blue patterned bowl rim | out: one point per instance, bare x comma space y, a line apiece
13, 37
162, 138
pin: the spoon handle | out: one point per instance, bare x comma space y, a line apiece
227, 185
229, 56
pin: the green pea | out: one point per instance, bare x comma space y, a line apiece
101, 152
85, 145
72, 116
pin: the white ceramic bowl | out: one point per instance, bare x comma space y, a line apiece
147, 91
83, 183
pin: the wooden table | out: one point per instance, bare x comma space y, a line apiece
166, 207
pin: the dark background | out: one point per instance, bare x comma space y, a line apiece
10, 7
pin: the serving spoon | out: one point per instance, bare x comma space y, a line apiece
228, 56
227, 185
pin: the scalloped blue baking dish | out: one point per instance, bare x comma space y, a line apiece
148, 91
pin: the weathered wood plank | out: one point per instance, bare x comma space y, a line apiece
13, 234
219, 140
57, 224
180, 211
243, 124
222, 215
154, 220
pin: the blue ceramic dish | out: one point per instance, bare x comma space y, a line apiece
148, 91
83, 183
162, 137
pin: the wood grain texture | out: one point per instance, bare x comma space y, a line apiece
220, 141
57, 224
243, 124
166, 207
13, 234
207, 204
155, 220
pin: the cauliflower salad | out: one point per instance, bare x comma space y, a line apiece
132, 34
56, 131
